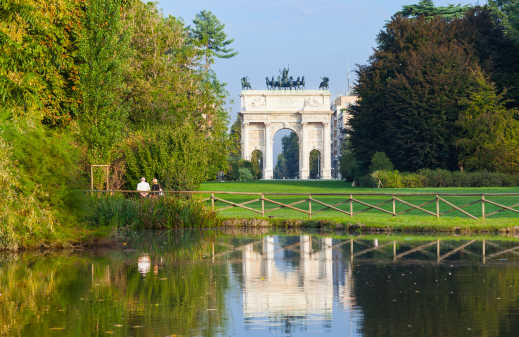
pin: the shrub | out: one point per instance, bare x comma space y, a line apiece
437, 178
158, 213
245, 174
367, 181
388, 179
38, 169
380, 162
413, 180
349, 167
444, 178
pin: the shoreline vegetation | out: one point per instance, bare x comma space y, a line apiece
114, 90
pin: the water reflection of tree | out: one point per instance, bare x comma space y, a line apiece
87, 296
427, 300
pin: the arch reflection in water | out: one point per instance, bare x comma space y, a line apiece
272, 287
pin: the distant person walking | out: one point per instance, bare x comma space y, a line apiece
156, 190
143, 187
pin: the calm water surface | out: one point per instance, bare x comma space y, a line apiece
220, 284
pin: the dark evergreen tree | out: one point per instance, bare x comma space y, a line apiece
409, 95
426, 8
497, 51
208, 33
508, 12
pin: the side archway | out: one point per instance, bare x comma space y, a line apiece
257, 164
315, 164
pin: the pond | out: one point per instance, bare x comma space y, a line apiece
207, 283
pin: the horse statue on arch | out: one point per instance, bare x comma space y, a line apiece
324, 83
245, 84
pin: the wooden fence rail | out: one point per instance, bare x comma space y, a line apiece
349, 200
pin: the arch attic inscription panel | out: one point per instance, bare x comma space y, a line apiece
306, 112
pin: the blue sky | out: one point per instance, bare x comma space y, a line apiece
314, 38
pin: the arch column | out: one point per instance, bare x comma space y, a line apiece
304, 160
245, 141
268, 160
326, 156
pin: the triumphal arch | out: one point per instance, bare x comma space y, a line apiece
305, 112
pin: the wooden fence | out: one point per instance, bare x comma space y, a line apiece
350, 204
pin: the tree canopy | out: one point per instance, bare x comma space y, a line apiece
414, 89
208, 33
427, 9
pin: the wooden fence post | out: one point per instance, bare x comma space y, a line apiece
483, 206
107, 178
310, 206
262, 204
437, 251
91, 178
351, 204
394, 205
212, 201
437, 206
484, 249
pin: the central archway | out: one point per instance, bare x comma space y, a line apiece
286, 154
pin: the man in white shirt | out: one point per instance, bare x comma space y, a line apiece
143, 187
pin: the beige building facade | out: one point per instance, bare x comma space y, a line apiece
340, 129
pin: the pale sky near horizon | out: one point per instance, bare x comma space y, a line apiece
314, 38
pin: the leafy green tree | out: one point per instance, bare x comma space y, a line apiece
427, 9
348, 166
489, 132
235, 140
170, 154
104, 51
208, 33
380, 162
409, 95
38, 60
281, 170
165, 86
508, 11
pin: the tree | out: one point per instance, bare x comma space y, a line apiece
489, 137
496, 51
427, 9
508, 12
235, 140
290, 154
409, 95
281, 169
104, 51
380, 162
38, 60
208, 33
166, 88
348, 163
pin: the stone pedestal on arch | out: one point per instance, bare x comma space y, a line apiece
306, 112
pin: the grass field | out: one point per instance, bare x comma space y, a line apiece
412, 219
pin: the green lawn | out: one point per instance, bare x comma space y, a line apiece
294, 186
450, 218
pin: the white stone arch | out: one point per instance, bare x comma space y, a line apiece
305, 112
